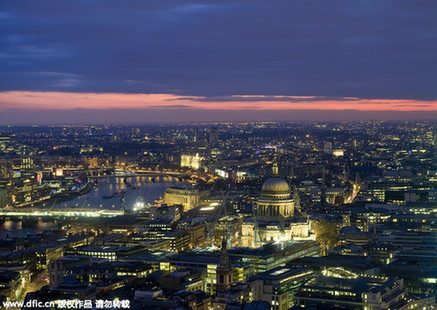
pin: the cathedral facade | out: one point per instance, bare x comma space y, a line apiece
276, 216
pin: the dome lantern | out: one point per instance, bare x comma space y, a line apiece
275, 169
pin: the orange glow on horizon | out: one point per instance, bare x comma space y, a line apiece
29, 100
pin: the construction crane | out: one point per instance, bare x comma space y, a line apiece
221, 212
53, 204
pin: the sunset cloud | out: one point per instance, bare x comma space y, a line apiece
28, 100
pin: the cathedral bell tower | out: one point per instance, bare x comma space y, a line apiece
224, 272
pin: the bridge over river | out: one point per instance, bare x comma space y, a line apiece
56, 213
143, 173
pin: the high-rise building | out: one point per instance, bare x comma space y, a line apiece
196, 134
27, 167
213, 136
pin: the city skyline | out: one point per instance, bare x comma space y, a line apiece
212, 216
240, 61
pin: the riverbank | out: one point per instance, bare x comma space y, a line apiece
64, 197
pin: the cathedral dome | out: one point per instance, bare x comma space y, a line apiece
275, 186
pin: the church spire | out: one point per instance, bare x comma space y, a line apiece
224, 271
224, 257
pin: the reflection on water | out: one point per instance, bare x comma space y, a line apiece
15, 229
130, 190
11, 225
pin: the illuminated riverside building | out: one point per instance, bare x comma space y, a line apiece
189, 198
191, 161
276, 217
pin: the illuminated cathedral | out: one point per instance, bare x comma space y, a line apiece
276, 216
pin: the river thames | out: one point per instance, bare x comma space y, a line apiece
128, 192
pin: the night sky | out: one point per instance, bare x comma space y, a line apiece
85, 61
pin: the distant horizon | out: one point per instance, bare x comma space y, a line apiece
86, 117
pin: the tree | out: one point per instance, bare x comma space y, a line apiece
326, 235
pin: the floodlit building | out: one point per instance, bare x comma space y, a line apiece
277, 215
188, 197
191, 161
